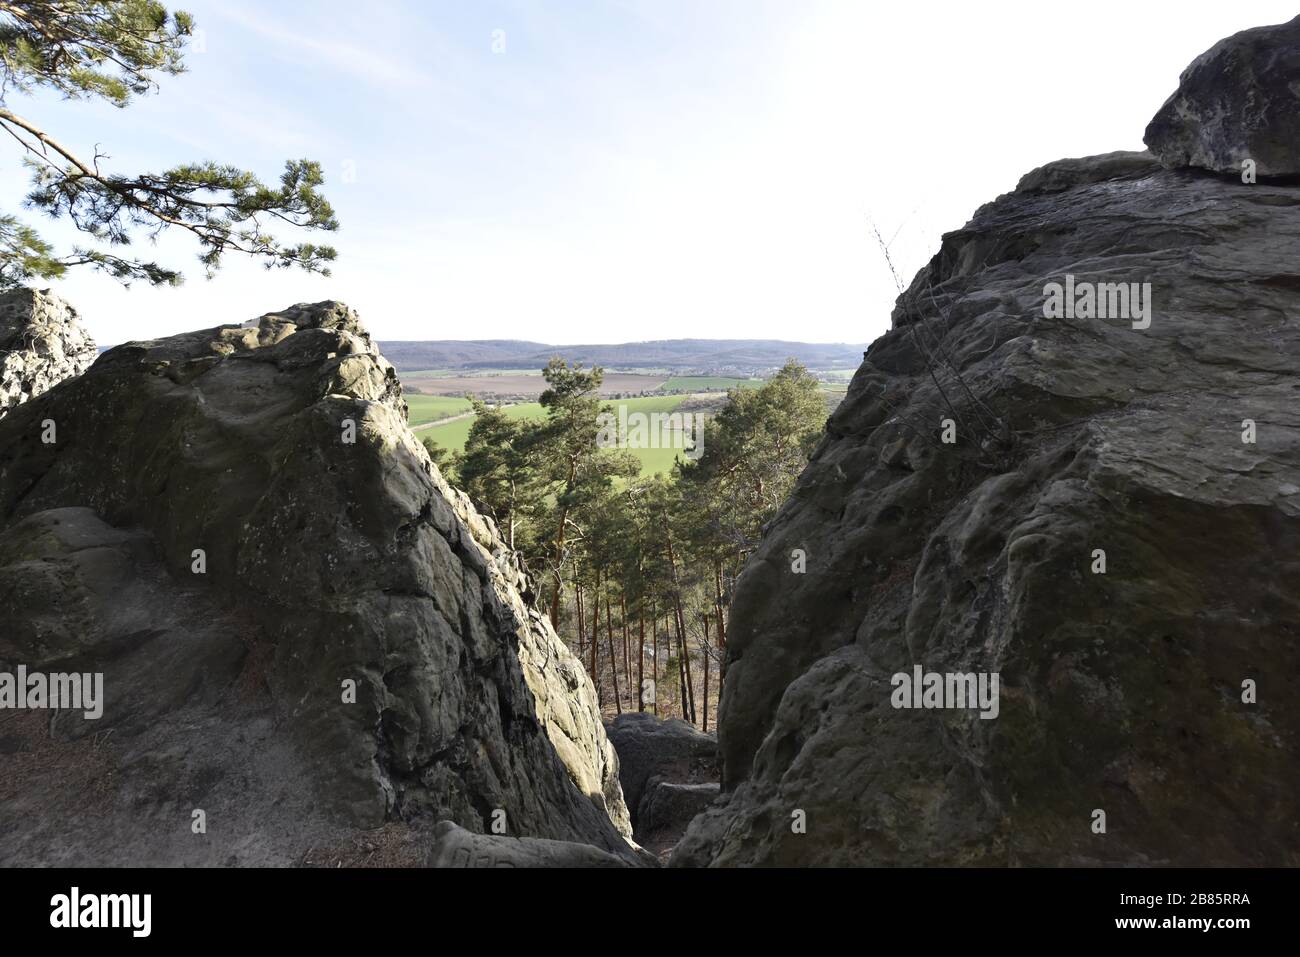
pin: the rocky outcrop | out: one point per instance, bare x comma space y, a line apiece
670, 749
1089, 491
669, 771
1238, 101
41, 344
303, 631
456, 847
670, 805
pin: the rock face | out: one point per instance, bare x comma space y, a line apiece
41, 344
669, 771
458, 848
670, 749
303, 631
1239, 100
667, 805
1113, 530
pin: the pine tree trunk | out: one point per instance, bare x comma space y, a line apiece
577, 597
555, 601
627, 653
686, 657
559, 553
640, 660
688, 697
595, 634
688, 705
722, 610
706, 673
613, 658
685, 652
654, 659
681, 676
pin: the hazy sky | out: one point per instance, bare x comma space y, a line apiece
628, 169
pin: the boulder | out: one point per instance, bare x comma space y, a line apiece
1240, 100
670, 749
669, 805
1100, 507
41, 344
303, 631
456, 847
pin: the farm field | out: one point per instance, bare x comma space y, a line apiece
529, 384
452, 435
702, 383
454, 373
431, 408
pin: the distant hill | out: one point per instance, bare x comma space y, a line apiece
683, 355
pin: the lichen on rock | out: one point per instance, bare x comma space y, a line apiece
1173, 448
41, 344
333, 556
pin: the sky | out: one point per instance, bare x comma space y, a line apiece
623, 170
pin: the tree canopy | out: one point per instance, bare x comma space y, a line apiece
114, 50
655, 557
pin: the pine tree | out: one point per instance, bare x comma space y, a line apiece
440, 457
113, 50
498, 468
577, 471
755, 448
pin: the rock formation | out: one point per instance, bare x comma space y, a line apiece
41, 344
669, 748
303, 631
668, 806
669, 771
1091, 491
456, 847
1238, 101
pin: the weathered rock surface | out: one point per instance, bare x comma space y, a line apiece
41, 344
1120, 691
456, 847
236, 527
670, 805
669, 771
670, 749
1239, 100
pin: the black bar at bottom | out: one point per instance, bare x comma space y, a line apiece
212, 907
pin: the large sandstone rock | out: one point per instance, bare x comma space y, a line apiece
671, 749
41, 344
456, 847
1239, 100
670, 805
236, 527
1120, 691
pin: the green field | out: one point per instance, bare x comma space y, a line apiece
452, 435
705, 383
431, 408
648, 403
